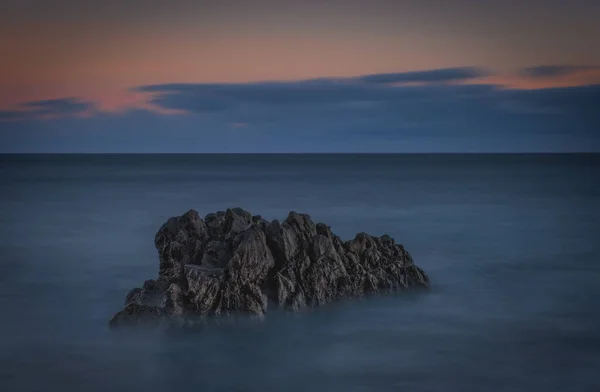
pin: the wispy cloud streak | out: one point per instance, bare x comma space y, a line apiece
554, 71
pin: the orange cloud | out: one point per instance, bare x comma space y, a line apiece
514, 81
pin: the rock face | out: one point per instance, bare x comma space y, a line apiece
233, 262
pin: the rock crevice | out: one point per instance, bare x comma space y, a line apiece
233, 262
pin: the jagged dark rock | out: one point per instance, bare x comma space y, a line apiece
232, 262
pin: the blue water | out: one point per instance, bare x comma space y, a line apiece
511, 243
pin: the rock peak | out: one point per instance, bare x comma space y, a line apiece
235, 262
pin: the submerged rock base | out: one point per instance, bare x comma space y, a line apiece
232, 262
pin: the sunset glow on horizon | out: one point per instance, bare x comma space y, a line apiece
100, 52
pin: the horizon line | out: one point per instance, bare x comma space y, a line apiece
308, 153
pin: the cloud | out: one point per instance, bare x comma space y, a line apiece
443, 75
47, 108
554, 71
216, 98
576, 98
10, 115
351, 109
444, 118
379, 101
325, 115
62, 106
210, 98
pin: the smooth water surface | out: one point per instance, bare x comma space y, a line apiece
511, 243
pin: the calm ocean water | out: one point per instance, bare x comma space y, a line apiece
511, 243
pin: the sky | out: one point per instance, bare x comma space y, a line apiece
299, 76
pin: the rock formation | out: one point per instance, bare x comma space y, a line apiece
233, 262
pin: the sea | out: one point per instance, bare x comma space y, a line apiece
511, 243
